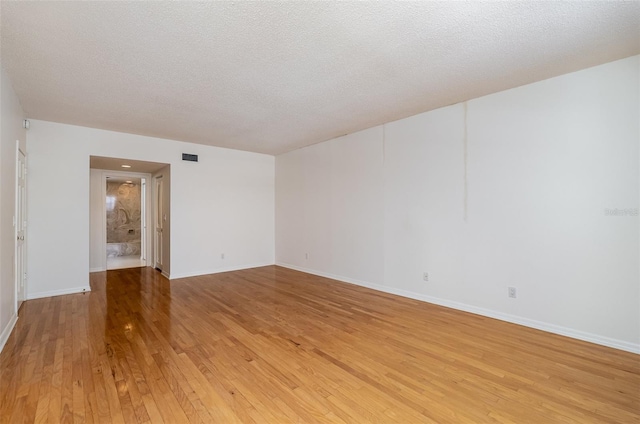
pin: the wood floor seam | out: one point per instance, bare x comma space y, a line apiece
275, 345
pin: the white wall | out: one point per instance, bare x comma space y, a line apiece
222, 204
97, 216
329, 209
507, 190
11, 117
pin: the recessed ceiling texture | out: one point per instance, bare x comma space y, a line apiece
271, 77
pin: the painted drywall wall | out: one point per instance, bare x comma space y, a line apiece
224, 203
11, 117
97, 242
516, 189
329, 216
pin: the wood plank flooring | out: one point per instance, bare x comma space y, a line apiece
272, 345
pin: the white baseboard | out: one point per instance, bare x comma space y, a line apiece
218, 270
98, 269
538, 325
6, 332
52, 293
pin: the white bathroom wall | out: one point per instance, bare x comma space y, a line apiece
11, 117
222, 204
513, 189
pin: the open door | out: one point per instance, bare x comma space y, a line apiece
159, 222
21, 225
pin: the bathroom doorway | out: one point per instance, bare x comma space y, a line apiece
122, 214
125, 212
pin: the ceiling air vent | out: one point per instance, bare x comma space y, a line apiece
189, 157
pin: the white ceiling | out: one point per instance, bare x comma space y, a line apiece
123, 180
115, 164
273, 76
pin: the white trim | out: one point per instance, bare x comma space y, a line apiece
103, 219
98, 269
218, 270
16, 277
157, 198
4, 336
52, 293
538, 325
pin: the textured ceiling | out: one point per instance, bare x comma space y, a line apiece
271, 76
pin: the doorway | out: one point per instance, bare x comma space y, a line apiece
136, 226
125, 223
20, 225
159, 218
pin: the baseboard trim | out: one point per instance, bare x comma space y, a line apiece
52, 293
99, 269
218, 270
4, 336
514, 319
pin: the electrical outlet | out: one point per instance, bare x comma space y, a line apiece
512, 292
222, 256
306, 255
425, 276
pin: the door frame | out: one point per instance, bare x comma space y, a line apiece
147, 251
23, 256
158, 207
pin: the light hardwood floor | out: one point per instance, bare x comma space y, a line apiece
275, 345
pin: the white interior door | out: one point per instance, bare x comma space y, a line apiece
21, 226
159, 222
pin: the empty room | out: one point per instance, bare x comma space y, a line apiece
320, 212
